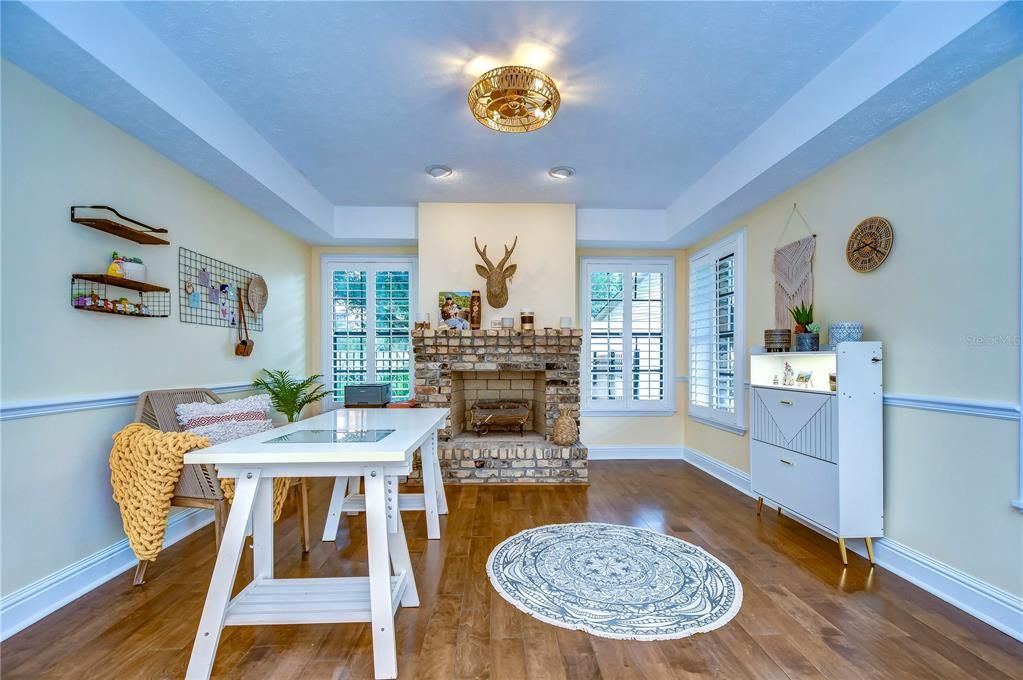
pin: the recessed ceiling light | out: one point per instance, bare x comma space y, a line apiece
561, 172
438, 171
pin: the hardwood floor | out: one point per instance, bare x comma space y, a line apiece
803, 616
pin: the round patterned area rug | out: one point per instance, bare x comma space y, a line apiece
615, 581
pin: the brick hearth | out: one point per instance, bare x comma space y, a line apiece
454, 368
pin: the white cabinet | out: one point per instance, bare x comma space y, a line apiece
815, 452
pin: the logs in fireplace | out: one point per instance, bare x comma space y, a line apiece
488, 415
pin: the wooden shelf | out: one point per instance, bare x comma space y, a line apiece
122, 282
105, 311
145, 236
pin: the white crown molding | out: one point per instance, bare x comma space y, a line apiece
25, 606
994, 606
49, 407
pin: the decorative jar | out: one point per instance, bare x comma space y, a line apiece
845, 331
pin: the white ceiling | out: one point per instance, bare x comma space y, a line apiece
360, 98
323, 115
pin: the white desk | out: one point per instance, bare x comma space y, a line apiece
345, 498
254, 462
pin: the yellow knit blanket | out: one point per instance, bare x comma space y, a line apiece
145, 465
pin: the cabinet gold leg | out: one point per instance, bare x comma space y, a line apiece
841, 549
870, 549
760, 505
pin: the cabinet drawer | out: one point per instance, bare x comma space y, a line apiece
806, 485
798, 421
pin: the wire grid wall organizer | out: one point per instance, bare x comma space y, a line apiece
94, 295
209, 291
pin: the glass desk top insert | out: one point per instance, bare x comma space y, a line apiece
330, 437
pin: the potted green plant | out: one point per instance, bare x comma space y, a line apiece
290, 395
807, 339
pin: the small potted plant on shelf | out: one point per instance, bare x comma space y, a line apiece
807, 340
290, 395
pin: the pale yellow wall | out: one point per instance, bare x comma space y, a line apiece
637, 431
546, 276
949, 181
56, 505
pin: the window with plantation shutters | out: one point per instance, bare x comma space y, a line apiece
626, 309
367, 319
717, 360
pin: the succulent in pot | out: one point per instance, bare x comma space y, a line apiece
810, 341
802, 315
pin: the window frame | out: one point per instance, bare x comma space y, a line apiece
731, 421
628, 406
371, 264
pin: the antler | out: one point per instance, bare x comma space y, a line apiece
483, 253
507, 253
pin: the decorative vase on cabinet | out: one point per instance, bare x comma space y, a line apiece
816, 453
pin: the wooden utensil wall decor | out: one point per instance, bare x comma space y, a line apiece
869, 244
496, 275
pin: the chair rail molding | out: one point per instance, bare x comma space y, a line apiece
49, 407
997, 608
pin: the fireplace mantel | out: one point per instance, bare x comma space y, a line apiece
454, 367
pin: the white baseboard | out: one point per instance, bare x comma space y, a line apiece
25, 606
657, 452
994, 606
732, 476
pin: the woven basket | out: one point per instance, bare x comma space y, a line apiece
566, 431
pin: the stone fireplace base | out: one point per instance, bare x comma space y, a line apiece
454, 368
471, 460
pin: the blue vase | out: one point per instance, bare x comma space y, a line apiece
845, 331
808, 342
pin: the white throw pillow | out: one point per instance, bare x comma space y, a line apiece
226, 421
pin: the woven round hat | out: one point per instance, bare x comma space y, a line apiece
257, 294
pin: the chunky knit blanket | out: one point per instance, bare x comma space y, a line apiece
144, 468
145, 465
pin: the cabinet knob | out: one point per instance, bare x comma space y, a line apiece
787, 462
786, 402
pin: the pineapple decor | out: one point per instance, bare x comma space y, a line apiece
566, 431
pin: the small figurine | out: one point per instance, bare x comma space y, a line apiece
775, 381
788, 377
116, 267
108, 305
94, 300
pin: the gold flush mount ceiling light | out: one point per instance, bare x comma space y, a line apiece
514, 99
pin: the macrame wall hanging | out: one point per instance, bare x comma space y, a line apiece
793, 272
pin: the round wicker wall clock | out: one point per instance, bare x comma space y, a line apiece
869, 244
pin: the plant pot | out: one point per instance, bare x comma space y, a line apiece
134, 271
777, 340
845, 331
808, 342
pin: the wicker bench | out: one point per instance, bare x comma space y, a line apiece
198, 486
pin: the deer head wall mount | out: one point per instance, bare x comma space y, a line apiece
496, 276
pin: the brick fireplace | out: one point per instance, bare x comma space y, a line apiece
539, 369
